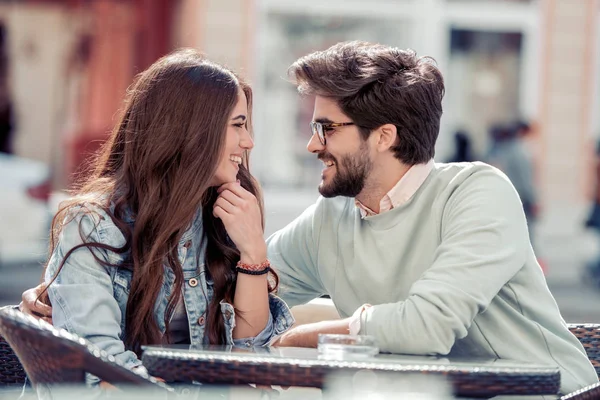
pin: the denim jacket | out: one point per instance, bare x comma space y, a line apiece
90, 299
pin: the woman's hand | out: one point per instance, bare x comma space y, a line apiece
240, 212
37, 308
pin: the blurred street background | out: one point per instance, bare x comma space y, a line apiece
521, 85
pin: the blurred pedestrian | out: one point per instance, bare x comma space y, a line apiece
6, 107
6, 128
593, 220
462, 148
510, 154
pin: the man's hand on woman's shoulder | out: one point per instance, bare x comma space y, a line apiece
38, 308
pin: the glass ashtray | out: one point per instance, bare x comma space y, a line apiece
347, 346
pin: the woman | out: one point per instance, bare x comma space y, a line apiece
164, 242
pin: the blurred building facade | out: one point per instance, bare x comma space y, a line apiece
502, 60
71, 61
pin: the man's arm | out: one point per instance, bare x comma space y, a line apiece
293, 254
38, 308
484, 243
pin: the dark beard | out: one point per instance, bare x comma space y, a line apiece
350, 176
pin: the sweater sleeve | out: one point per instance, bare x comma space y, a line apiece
293, 254
484, 243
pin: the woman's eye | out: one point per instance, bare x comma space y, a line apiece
239, 125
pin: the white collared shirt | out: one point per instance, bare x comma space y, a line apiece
406, 187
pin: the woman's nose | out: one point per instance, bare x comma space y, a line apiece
246, 141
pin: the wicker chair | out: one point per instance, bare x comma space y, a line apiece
589, 336
50, 356
11, 370
591, 392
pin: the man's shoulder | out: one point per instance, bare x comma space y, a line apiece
475, 180
457, 174
451, 182
472, 167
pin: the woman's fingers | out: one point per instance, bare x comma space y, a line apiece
225, 205
218, 212
231, 197
236, 188
232, 203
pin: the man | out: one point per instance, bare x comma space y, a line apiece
428, 258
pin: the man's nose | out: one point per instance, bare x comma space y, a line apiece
314, 144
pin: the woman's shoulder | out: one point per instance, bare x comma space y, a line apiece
92, 218
80, 208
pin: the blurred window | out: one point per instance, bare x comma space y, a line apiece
483, 81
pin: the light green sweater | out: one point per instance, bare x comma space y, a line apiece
451, 272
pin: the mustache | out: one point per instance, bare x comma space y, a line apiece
326, 157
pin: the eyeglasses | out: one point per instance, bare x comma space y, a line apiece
320, 128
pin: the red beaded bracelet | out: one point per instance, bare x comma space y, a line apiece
253, 269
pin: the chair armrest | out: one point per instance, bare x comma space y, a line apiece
587, 393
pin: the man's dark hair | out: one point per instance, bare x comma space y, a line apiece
376, 85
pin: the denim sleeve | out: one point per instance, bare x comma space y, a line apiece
82, 293
280, 320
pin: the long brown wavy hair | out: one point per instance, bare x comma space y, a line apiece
157, 166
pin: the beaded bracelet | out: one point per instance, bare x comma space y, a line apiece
253, 269
248, 272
